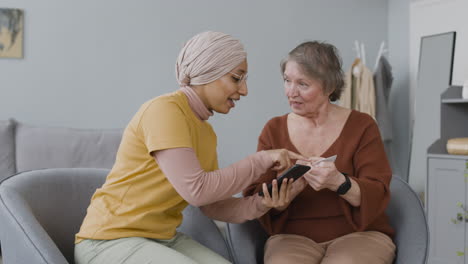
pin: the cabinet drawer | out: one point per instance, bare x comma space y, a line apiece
446, 192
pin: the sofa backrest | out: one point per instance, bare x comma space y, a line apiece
7, 148
40, 147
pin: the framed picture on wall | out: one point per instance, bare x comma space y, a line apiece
11, 33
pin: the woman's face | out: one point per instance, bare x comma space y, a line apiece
305, 95
220, 95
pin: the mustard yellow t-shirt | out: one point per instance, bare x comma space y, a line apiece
137, 200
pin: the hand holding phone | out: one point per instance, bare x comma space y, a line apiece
294, 172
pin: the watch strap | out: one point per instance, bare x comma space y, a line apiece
345, 186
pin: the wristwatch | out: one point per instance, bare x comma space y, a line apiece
344, 187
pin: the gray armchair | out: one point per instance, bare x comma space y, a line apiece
42, 210
406, 215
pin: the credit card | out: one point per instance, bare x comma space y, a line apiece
331, 158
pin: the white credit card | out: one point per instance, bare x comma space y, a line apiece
331, 158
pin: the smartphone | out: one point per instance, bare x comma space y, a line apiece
294, 172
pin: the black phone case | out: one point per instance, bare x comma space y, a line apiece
294, 172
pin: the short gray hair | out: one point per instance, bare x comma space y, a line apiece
320, 61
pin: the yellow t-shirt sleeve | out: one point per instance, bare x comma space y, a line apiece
163, 125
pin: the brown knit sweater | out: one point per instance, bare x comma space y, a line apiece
323, 215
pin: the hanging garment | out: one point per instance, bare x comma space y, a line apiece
359, 91
383, 79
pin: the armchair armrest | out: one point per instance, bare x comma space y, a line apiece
24, 240
247, 241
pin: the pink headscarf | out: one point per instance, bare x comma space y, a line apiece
208, 56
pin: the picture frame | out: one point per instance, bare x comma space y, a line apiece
11, 32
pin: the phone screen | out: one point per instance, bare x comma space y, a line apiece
294, 172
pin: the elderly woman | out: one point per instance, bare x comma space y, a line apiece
335, 213
167, 159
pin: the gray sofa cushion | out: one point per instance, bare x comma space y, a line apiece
40, 147
7, 148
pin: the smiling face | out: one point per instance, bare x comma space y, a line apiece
221, 94
305, 95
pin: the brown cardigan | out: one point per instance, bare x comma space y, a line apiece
324, 215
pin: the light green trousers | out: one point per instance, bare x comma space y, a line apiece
179, 250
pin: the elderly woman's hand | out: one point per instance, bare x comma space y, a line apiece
323, 175
281, 199
282, 158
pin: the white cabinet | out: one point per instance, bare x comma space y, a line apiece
447, 190
447, 185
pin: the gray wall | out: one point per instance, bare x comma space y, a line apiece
398, 42
90, 64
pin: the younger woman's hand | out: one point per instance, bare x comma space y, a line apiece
282, 158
